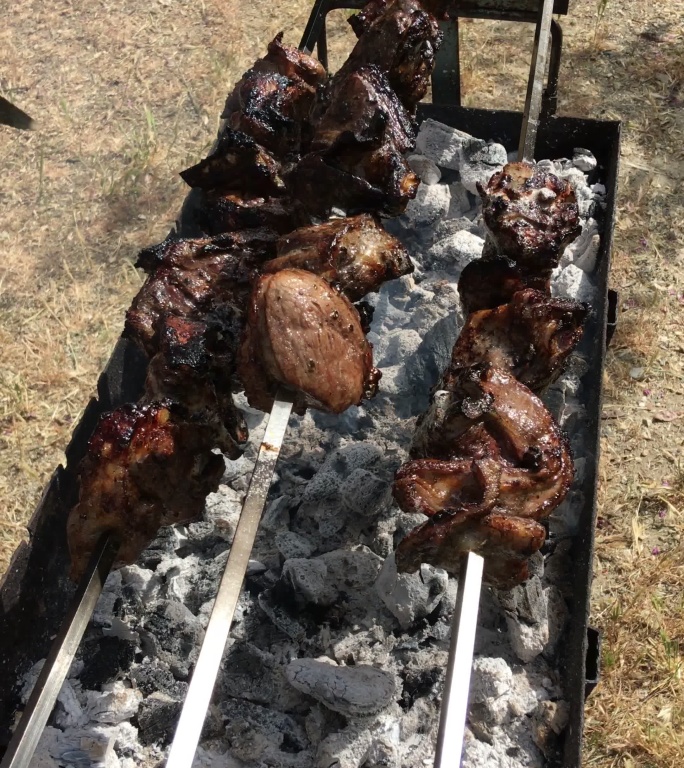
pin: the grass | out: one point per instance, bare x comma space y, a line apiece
127, 94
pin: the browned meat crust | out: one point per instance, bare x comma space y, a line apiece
531, 215
531, 336
401, 38
146, 466
354, 253
221, 213
305, 336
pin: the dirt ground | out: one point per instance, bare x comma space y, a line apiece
126, 94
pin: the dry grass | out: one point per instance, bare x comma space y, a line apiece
127, 94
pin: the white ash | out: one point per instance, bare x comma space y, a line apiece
334, 658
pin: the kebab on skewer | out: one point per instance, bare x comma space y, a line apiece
244, 309
488, 462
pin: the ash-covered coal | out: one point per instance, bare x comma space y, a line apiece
335, 659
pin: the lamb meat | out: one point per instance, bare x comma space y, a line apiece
146, 466
219, 213
305, 336
238, 164
504, 541
531, 336
189, 277
195, 365
487, 413
354, 177
363, 105
354, 253
401, 38
489, 282
531, 216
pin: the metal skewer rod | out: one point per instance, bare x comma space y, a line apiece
49, 683
194, 712
454, 707
455, 696
535, 83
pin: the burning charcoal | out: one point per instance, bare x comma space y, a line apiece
526, 617
461, 204
351, 691
479, 161
175, 634
309, 579
286, 620
365, 494
254, 675
427, 170
454, 253
478, 754
157, 718
144, 582
104, 659
153, 675
410, 596
429, 206
292, 545
441, 143
571, 282
549, 721
223, 509
584, 160
366, 647
69, 713
491, 679
583, 252
261, 735
345, 749
277, 515
115, 704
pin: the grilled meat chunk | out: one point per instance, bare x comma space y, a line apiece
531, 215
401, 38
354, 253
489, 282
189, 277
305, 336
238, 164
221, 213
363, 105
506, 542
486, 413
146, 466
292, 62
355, 178
195, 365
531, 336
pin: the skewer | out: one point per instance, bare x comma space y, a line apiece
454, 708
56, 667
196, 704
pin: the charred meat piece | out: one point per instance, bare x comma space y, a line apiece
190, 277
146, 466
273, 100
195, 365
490, 282
363, 105
230, 212
238, 164
273, 109
401, 38
292, 62
354, 253
355, 178
303, 335
531, 216
531, 336
486, 413
444, 541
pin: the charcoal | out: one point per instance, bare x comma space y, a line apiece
157, 718
104, 659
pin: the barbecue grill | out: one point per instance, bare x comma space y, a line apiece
35, 591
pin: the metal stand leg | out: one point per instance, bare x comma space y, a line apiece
550, 98
446, 77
